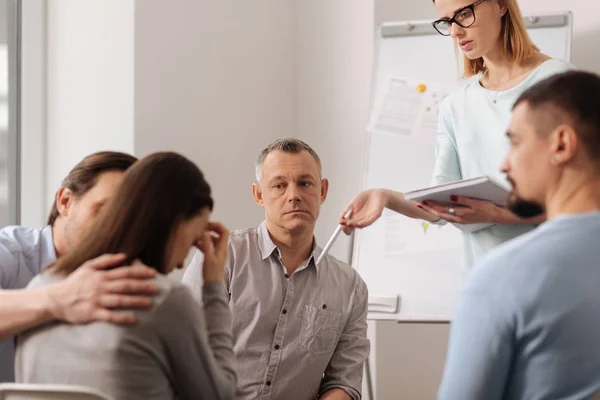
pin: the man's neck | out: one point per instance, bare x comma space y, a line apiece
60, 245
578, 195
295, 247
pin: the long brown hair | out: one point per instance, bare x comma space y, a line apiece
156, 194
85, 174
516, 43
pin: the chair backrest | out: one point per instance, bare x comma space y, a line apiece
27, 391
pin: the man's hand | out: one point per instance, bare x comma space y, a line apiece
92, 294
214, 246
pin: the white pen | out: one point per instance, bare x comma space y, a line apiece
332, 239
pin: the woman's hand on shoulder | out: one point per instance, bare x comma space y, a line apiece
97, 291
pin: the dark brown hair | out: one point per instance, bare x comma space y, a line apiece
84, 175
568, 97
157, 193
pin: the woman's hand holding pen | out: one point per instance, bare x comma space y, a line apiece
368, 207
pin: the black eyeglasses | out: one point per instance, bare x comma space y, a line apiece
465, 17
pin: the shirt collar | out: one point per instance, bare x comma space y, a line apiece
267, 247
47, 242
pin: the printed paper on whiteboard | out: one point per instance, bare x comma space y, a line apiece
402, 109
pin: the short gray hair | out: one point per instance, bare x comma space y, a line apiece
287, 145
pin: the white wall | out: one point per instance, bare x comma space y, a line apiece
215, 81
90, 53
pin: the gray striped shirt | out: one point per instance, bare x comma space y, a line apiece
294, 337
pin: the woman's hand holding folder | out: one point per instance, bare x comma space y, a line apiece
470, 211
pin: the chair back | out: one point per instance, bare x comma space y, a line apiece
28, 391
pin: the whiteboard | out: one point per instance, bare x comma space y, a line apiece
414, 271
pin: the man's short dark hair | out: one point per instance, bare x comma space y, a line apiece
569, 97
85, 174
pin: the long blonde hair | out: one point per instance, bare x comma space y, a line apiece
517, 44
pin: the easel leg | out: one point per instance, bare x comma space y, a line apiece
369, 381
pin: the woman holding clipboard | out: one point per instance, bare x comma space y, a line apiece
501, 61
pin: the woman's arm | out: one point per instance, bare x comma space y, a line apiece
368, 206
200, 341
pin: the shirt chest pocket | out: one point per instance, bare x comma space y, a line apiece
320, 329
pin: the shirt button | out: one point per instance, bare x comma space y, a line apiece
276, 347
287, 276
268, 383
324, 306
284, 311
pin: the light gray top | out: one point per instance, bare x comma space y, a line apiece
527, 324
471, 142
298, 336
176, 350
23, 254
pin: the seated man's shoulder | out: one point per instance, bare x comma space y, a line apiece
243, 235
342, 271
15, 238
16, 243
246, 244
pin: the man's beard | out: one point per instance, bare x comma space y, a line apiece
523, 208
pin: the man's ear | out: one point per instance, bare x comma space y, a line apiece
258, 195
324, 189
64, 199
564, 143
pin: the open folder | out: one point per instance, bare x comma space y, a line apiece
481, 188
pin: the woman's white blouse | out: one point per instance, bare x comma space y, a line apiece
472, 142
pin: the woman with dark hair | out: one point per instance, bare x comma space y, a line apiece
176, 349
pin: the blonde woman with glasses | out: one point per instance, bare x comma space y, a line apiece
500, 62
